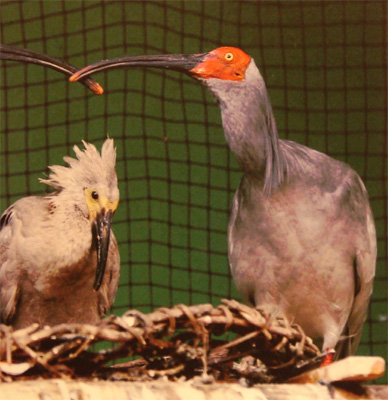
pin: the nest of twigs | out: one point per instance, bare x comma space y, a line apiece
178, 343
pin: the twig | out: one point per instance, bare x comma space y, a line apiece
177, 341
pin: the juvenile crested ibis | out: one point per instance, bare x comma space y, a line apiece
54, 250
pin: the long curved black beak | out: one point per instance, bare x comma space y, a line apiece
102, 231
177, 62
12, 53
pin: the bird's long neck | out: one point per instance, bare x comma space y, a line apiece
250, 127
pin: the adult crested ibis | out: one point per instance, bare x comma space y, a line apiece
301, 236
12, 53
54, 249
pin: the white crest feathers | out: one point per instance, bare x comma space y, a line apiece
88, 169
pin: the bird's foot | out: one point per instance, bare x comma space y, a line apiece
329, 357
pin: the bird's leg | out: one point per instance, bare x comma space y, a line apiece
329, 357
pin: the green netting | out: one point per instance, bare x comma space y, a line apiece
325, 68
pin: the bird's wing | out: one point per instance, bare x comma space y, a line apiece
365, 264
108, 290
18, 224
9, 289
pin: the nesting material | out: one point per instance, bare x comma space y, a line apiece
229, 343
226, 343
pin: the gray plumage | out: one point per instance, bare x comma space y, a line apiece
48, 252
301, 237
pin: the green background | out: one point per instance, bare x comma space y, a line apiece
325, 68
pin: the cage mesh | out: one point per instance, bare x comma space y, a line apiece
325, 67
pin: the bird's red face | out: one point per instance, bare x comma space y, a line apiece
227, 63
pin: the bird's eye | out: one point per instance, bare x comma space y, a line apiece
229, 56
94, 195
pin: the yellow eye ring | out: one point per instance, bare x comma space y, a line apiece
229, 56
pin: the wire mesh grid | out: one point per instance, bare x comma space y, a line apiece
325, 68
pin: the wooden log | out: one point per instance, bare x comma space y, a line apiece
353, 368
165, 390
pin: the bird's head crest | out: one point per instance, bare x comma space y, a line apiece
88, 169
